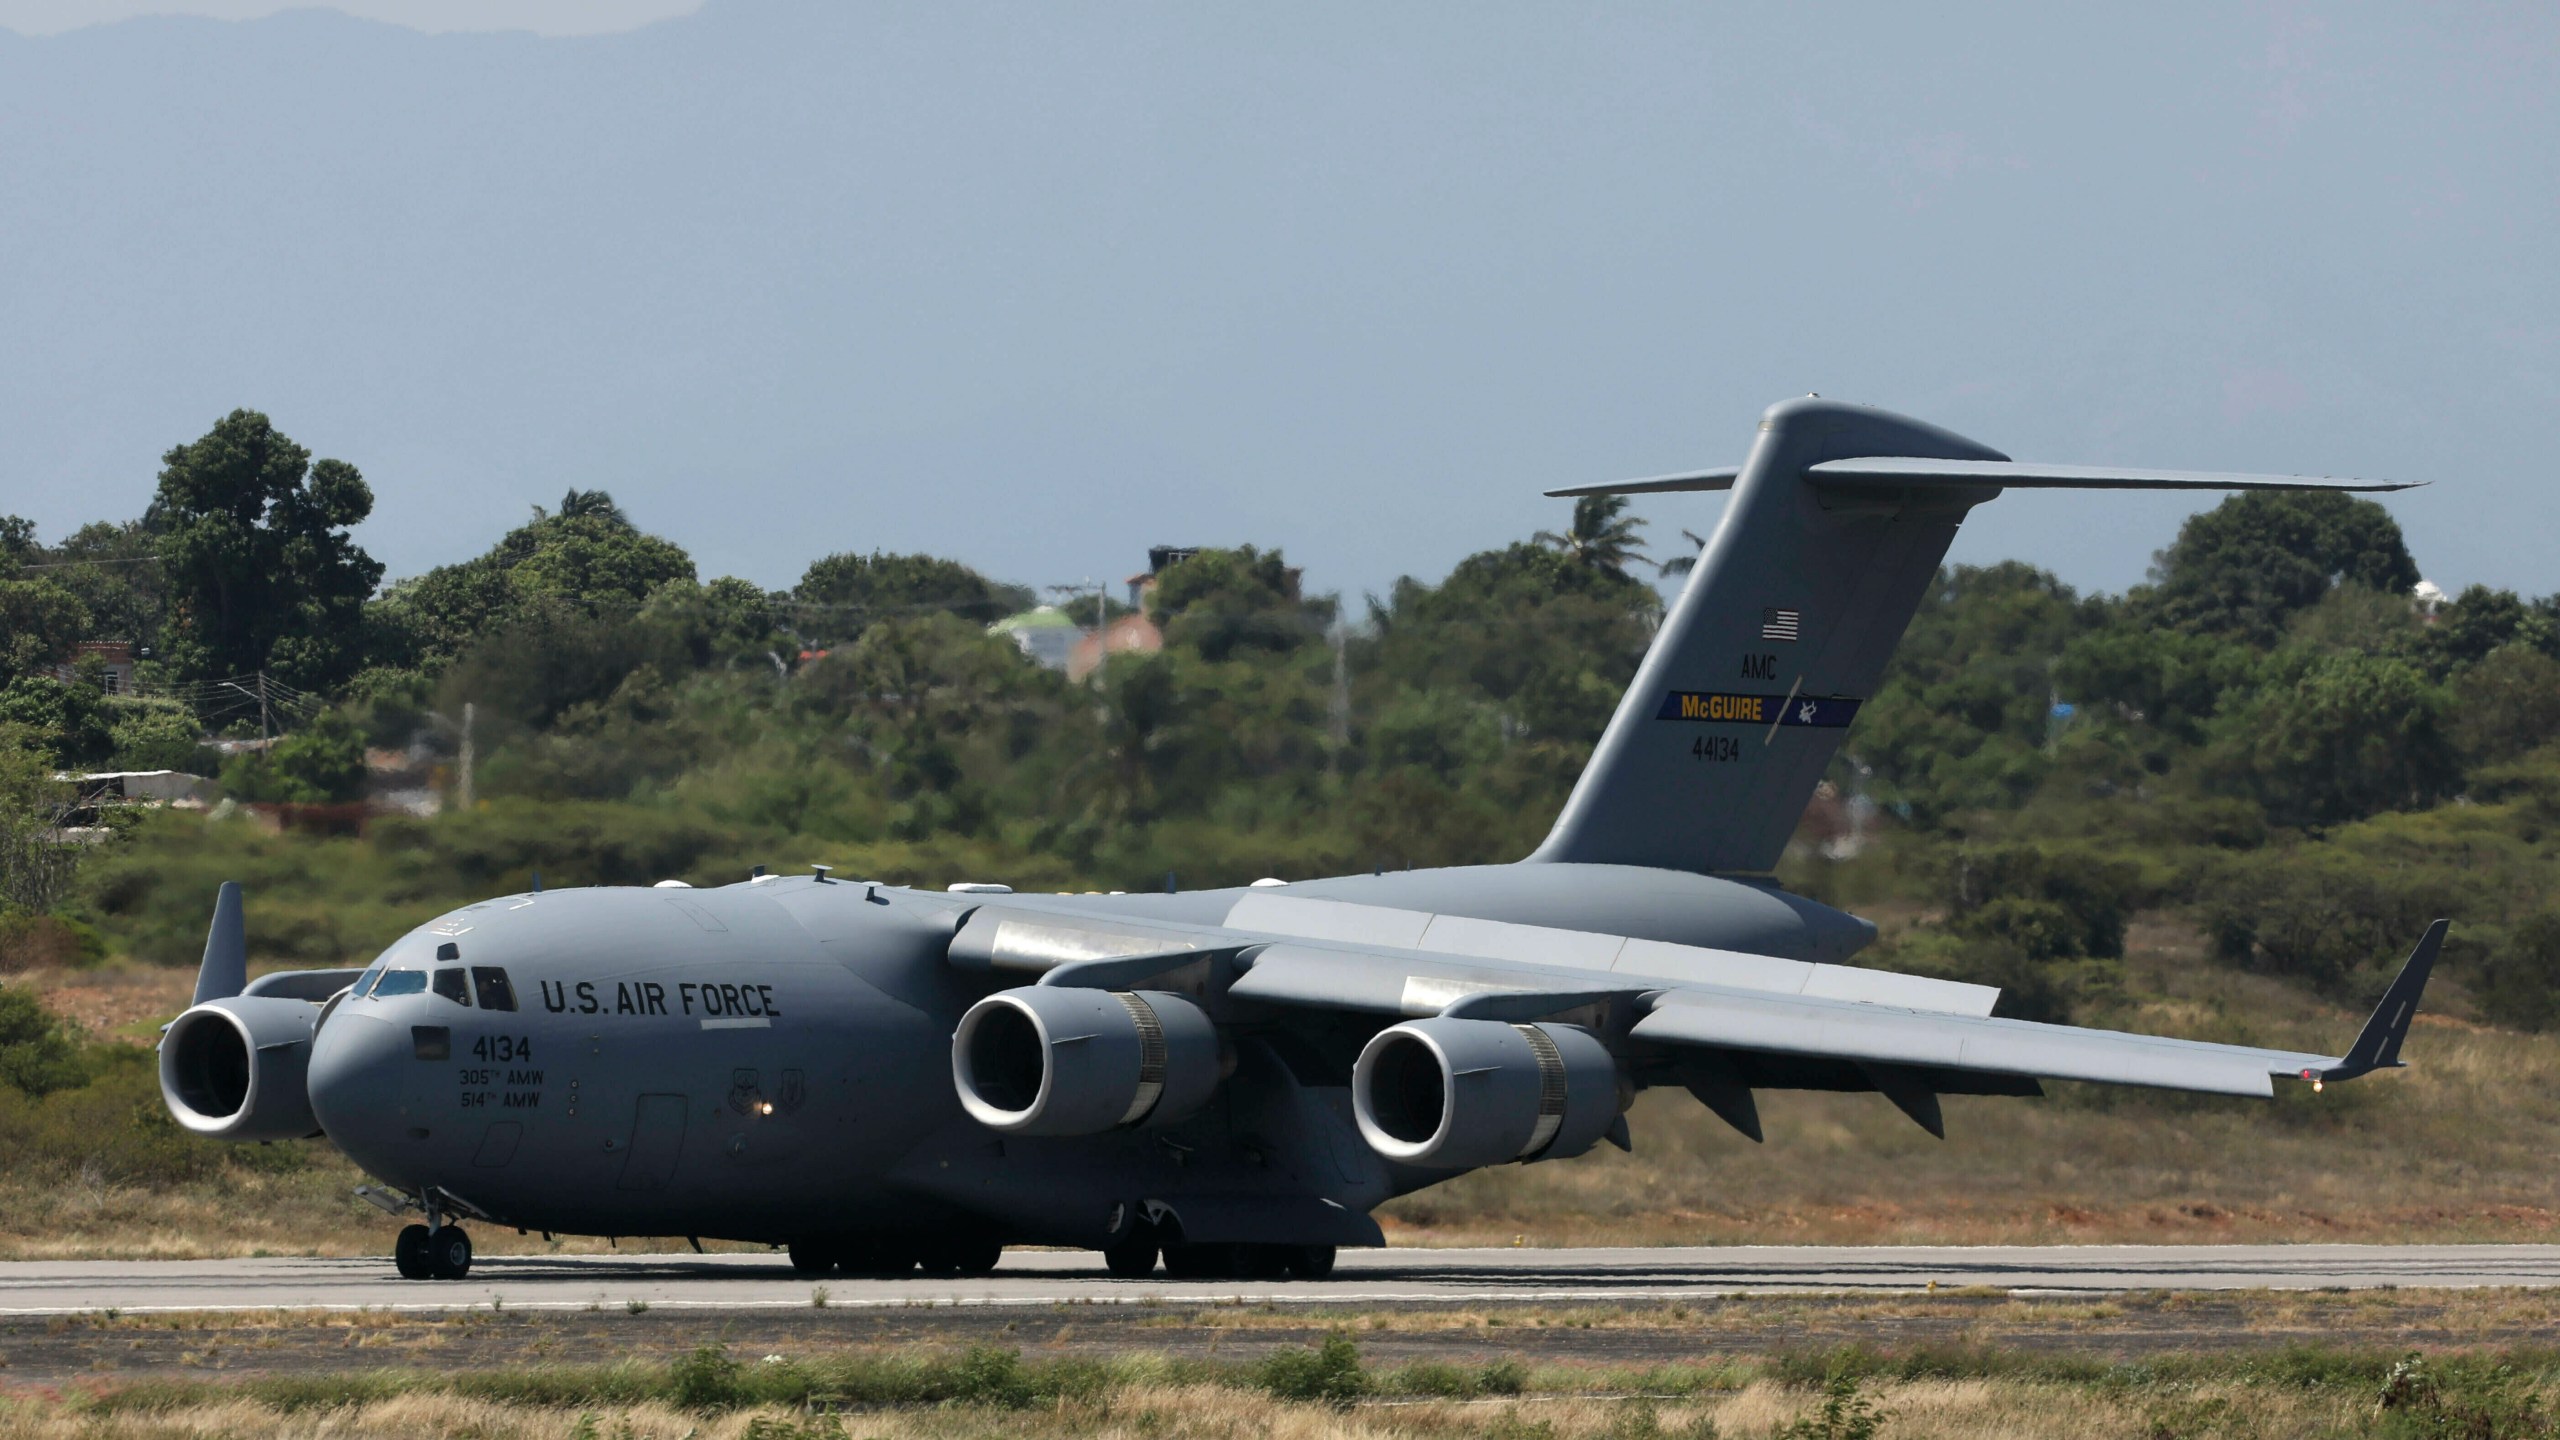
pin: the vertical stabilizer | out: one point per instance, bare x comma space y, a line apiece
225, 971
1782, 632
1833, 536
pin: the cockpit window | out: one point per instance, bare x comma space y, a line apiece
400, 982
495, 991
448, 983
364, 982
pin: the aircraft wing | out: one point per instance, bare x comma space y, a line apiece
1318, 955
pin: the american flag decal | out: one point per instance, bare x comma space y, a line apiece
1780, 624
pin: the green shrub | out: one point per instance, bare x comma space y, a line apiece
707, 1379
2520, 983
2059, 901
37, 1055
1844, 1414
1329, 1373
989, 1376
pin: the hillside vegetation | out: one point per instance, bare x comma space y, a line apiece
2222, 804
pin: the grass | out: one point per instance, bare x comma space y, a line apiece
1326, 1391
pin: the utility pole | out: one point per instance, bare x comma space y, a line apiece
1341, 709
1102, 636
265, 731
1101, 618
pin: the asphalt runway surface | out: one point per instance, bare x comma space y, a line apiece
1365, 1277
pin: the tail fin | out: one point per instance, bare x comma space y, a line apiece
1837, 525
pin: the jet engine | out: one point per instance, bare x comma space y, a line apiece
1056, 1060
1457, 1094
234, 1069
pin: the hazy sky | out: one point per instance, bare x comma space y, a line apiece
543, 17
1039, 285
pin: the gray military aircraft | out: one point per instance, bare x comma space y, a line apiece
882, 1078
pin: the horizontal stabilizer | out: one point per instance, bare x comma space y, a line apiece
1655, 485
2027, 475
2007, 474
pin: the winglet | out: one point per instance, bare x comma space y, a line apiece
2378, 1047
225, 971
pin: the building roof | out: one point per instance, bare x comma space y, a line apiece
1047, 617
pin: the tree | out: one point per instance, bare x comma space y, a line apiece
1602, 535
39, 623
67, 724
2510, 704
593, 505
152, 734
253, 540
114, 569
1682, 564
322, 762
587, 559
844, 594
2335, 738
1223, 602
1551, 641
2169, 679
2478, 621
17, 543
1961, 719
2247, 565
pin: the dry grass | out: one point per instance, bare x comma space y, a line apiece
1919, 1410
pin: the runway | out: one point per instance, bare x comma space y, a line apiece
1365, 1277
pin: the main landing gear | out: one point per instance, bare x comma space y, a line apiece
443, 1253
961, 1256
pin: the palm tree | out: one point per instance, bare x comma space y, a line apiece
598, 503
1602, 535
1683, 564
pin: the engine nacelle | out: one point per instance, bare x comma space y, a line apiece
1057, 1060
1457, 1094
236, 1069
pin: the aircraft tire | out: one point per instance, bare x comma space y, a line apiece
409, 1254
1133, 1258
811, 1258
1310, 1262
1202, 1262
960, 1256
449, 1253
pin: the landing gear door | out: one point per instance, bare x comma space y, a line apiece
657, 1141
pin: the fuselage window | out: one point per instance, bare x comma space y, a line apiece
400, 982
495, 992
449, 985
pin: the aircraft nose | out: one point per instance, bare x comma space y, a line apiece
357, 1063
